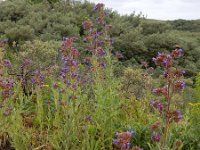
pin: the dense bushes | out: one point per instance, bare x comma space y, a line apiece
136, 37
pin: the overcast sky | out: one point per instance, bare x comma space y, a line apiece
156, 9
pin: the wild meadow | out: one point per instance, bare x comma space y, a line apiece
64, 100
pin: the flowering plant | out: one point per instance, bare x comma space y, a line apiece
168, 113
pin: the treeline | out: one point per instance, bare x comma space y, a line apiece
29, 22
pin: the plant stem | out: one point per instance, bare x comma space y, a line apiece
168, 98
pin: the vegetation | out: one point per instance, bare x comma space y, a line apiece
96, 89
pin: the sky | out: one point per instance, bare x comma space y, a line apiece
156, 9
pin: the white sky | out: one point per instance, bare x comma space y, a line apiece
156, 9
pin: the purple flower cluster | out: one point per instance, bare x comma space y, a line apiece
158, 105
87, 24
38, 78
179, 85
177, 115
123, 139
155, 137
100, 52
177, 53
26, 62
160, 91
99, 7
163, 59
69, 72
6, 87
166, 59
172, 84
7, 63
98, 46
175, 74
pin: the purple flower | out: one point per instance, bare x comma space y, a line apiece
180, 50
158, 54
87, 25
179, 85
7, 63
126, 145
115, 141
101, 52
98, 7
178, 112
9, 92
155, 137
98, 20
131, 132
182, 84
55, 85
152, 102
6, 113
183, 71
116, 134
177, 115
3, 93
68, 83
74, 63
38, 78
26, 62
98, 34
33, 81
164, 63
177, 53
165, 74
64, 70
158, 105
74, 86
63, 75
75, 74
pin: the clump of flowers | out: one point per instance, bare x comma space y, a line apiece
155, 137
98, 47
38, 78
173, 83
6, 88
122, 140
87, 24
70, 71
7, 63
158, 105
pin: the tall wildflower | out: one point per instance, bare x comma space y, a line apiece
99, 42
173, 83
70, 72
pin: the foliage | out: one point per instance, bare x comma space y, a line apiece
135, 83
197, 88
78, 94
136, 37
